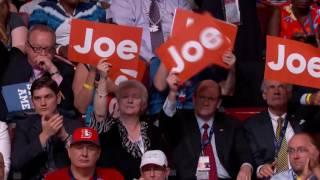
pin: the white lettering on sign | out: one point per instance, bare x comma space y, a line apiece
296, 63
192, 51
24, 99
126, 49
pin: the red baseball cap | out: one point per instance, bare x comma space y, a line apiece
85, 134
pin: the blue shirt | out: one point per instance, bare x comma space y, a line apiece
53, 15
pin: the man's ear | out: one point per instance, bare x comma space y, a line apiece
167, 172
264, 96
59, 96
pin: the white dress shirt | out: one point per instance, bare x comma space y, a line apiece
289, 131
5, 147
169, 109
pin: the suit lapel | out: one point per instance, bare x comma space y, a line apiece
194, 142
220, 135
267, 130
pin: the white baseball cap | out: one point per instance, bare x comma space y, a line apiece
156, 157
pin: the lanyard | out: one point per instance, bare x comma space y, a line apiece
73, 178
277, 143
204, 143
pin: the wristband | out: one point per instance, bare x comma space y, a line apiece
87, 86
308, 99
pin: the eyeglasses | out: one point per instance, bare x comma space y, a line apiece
39, 50
297, 150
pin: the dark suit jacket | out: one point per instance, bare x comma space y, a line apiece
183, 132
19, 71
28, 156
260, 134
115, 156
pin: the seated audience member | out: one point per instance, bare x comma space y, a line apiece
13, 31
125, 139
84, 151
58, 16
299, 20
5, 148
154, 165
39, 141
204, 137
39, 61
301, 150
269, 131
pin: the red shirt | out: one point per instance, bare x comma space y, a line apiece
290, 24
101, 174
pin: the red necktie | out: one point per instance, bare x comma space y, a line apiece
208, 151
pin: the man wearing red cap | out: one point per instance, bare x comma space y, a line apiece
84, 151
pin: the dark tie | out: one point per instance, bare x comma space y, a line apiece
208, 151
155, 25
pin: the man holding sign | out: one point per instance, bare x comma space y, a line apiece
205, 42
206, 144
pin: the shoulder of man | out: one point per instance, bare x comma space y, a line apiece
109, 173
58, 174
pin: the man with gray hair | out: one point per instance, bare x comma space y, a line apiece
269, 131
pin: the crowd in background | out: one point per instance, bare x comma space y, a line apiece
156, 127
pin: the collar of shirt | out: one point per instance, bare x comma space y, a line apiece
37, 73
201, 122
274, 118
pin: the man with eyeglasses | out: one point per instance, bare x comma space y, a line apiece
301, 150
39, 61
269, 131
206, 144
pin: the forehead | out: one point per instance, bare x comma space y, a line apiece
273, 83
211, 91
130, 90
300, 140
43, 92
38, 36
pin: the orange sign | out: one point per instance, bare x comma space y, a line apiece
292, 62
200, 45
120, 45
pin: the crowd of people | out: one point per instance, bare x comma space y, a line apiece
158, 128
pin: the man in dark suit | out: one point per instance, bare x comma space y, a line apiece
269, 131
204, 136
39, 61
40, 140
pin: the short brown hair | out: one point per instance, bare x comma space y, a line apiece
44, 81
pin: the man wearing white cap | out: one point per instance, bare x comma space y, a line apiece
154, 166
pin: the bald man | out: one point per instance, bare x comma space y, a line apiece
206, 144
301, 150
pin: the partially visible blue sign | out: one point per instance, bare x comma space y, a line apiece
17, 97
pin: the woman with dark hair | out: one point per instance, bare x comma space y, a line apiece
124, 139
13, 31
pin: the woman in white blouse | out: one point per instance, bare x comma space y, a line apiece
5, 148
